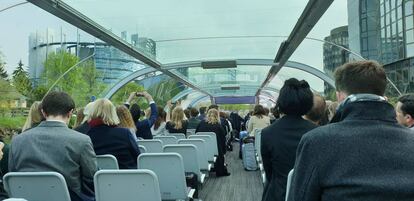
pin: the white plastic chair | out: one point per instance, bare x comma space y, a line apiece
107, 162
151, 146
289, 181
166, 140
179, 136
214, 137
190, 158
169, 169
126, 185
209, 144
190, 132
15, 199
50, 186
201, 151
257, 144
142, 149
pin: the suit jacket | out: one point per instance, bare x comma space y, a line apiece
116, 141
193, 123
366, 156
144, 126
52, 146
278, 148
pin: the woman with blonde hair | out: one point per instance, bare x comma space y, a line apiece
212, 124
35, 116
125, 120
177, 124
108, 138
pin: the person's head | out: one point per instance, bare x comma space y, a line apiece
162, 116
405, 110
57, 105
147, 113
331, 107
104, 110
79, 117
187, 113
213, 107
259, 111
275, 113
193, 112
177, 117
295, 97
202, 110
125, 118
87, 111
267, 111
135, 112
318, 110
357, 77
35, 116
213, 116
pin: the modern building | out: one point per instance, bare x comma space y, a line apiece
112, 63
382, 30
334, 56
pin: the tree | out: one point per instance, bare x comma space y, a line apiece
3, 73
21, 80
122, 94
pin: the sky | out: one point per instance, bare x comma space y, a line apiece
169, 20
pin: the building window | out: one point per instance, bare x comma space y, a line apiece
409, 20
408, 8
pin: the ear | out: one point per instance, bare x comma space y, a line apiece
340, 96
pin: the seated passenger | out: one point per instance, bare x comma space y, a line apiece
107, 138
193, 121
159, 126
177, 124
202, 114
35, 116
318, 112
212, 124
52, 146
405, 111
125, 120
280, 140
143, 126
83, 127
258, 120
365, 155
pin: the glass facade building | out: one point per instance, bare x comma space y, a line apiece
334, 56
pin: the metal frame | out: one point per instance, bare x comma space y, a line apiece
308, 19
62, 10
192, 64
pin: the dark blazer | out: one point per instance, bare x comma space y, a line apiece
83, 128
116, 141
144, 126
170, 128
366, 156
52, 146
278, 147
193, 123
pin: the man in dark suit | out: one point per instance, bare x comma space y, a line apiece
366, 155
52, 146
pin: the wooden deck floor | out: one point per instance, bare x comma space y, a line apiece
241, 185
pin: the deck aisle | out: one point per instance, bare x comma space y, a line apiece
241, 185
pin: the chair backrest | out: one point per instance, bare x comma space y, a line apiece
201, 151
166, 140
257, 143
169, 169
209, 144
151, 146
126, 185
35, 186
107, 162
190, 132
179, 136
189, 154
15, 199
289, 181
142, 149
214, 137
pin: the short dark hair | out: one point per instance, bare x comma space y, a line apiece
213, 107
57, 103
193, 112
202, 110
135, 112
259, 111
318, 111
361, 77
295, 97
275, 112
407, 104
187, 113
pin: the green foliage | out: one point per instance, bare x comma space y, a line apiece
21, 80
13, 123
38, 93
235, 107
122, 94
3, 73
164, 91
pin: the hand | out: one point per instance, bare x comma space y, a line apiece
147, 96
131, 96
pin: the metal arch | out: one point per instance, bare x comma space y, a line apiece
190, 64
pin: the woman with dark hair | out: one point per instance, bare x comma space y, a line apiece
143, 126
280, 140
258, 120
159, 126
